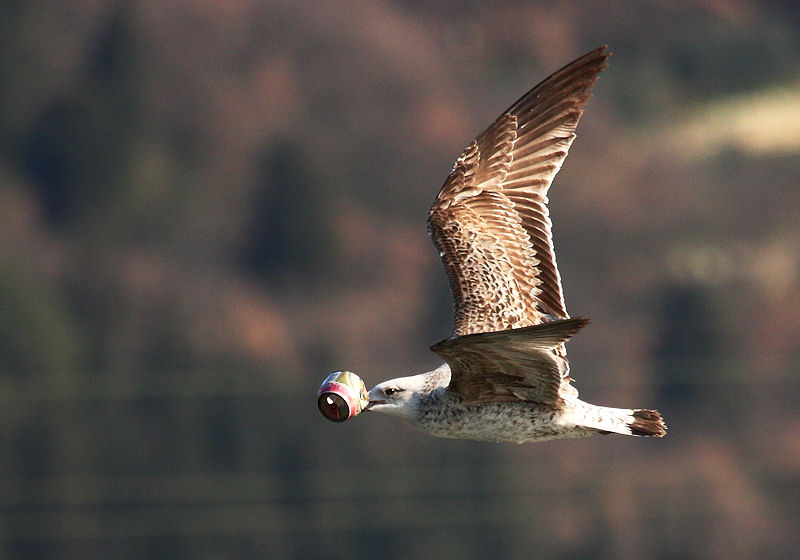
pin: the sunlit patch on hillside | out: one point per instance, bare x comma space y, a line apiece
774, 267
767, 122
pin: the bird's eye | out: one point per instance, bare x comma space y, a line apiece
389, 391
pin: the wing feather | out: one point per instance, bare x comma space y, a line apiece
490, 221
517, 364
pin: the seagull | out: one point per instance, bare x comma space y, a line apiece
506, 375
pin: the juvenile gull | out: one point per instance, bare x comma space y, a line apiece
506, 375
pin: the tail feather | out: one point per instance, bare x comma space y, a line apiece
647, 423
625, 421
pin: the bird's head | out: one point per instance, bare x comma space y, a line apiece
397, 396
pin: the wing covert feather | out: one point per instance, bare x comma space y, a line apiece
517, 364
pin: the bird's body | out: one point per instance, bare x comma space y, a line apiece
506, 375
534, 407
444, 413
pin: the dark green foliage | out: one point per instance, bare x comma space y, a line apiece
288, 232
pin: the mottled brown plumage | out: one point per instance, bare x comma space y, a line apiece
519, 364
490, 220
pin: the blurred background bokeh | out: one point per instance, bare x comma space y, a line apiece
209, 206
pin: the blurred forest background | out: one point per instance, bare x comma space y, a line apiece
209, 206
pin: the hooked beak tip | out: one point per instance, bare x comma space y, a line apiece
371, 404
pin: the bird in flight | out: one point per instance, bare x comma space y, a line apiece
506, 375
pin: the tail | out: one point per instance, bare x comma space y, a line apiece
647, 423
624, 421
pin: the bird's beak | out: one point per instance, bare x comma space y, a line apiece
374, 400
371, 404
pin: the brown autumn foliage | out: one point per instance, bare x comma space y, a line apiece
209, 206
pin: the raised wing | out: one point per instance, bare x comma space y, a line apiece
519, 364
490, 221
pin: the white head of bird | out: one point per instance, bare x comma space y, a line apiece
399, 397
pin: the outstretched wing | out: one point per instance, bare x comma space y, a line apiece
490, 221
517, 364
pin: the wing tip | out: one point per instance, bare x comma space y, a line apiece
600, 52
